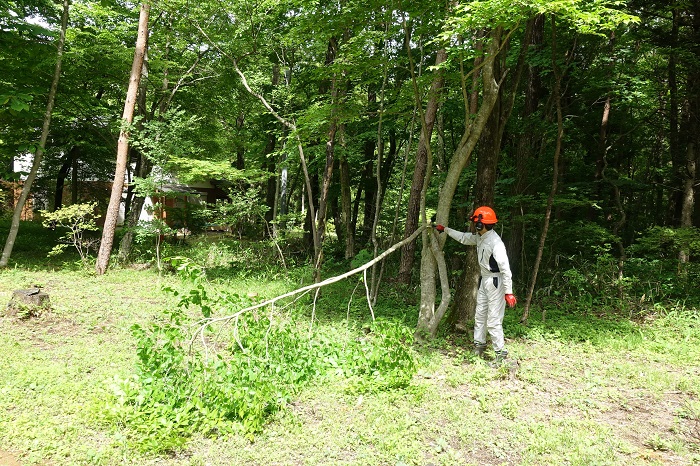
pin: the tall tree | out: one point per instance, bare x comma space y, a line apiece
36, 163
115, 199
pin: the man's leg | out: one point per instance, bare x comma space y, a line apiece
480, 317
494, 321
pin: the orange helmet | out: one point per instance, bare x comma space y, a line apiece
485, 215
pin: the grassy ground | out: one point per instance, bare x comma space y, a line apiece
582, 390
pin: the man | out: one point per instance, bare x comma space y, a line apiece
495, 284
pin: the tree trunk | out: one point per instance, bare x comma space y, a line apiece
112, 216
487, 163
136, 155
555, 174
428, 318
270, 166
524, 150
326, 184
62, 175
414, 199
369, 184
74, 182
38, 155
346, 208
691, 152
126, 245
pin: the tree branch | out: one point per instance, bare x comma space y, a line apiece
204, 323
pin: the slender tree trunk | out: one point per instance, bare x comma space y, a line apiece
346, 208
487, 162
62, 175
144, 166
270, 166
112, 217
414, 199
240, 148
555, 174
489, 152
283, 191
138, 157
376, 275
674, 126
524, 150
369, 184
74, 182
603, 147
429, 317
325, 185
38, 155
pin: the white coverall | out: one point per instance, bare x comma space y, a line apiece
496, 281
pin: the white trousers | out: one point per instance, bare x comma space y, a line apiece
490, 309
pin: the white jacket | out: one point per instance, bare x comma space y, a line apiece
491, 253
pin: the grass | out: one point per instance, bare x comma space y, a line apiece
587, 390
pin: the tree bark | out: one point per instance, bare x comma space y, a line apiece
62, 175
689, 182
112, 216
487, 163
346, 208
691, 153
270, 166
413, 209
38, 155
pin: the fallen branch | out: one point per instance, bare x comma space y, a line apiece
204, 323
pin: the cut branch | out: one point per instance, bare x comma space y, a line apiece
204, 323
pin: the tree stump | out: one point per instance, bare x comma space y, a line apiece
28, 303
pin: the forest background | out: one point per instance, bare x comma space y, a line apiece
337, 131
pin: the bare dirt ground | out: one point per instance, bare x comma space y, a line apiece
7, 459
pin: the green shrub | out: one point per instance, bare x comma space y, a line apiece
76, 221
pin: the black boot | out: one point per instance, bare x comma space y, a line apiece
500, 358
479, 349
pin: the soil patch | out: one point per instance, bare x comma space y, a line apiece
6, 459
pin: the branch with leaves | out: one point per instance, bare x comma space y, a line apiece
203, 324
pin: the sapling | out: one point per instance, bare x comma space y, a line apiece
77, 219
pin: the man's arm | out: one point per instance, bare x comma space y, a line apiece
501, 257
462, 237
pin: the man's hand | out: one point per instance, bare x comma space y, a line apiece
511, 300
440, 228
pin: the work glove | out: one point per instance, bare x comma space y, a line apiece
511, 300
440, 228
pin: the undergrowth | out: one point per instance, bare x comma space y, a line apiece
231, 378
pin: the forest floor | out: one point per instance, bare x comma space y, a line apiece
577, 391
